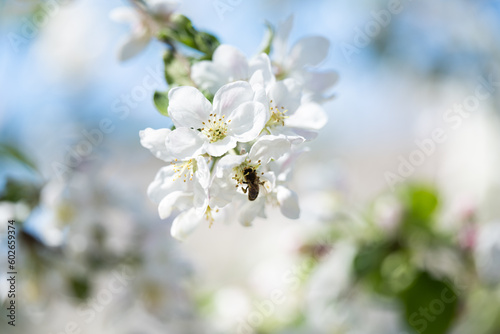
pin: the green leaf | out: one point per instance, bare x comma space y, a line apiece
370, 259
206, 43
15, 191
430, 305
183, 31
421, 203
12, 152
80, 287
374, 265
161, 102
177, 69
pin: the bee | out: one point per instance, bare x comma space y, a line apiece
253, 182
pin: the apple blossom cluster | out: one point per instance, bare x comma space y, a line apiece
239, 123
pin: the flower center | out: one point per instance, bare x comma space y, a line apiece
277, 115
209, 217
183, 168
239, 171
215, 128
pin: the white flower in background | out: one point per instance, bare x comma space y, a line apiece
55, 212
201, 127
12, 211
146, 18
487, 252
228, 64
300, 62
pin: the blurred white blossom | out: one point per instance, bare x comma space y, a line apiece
146, 19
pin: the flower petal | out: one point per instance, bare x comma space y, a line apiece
292, 135
289, 202
163, 8
154, 140
233, 61
280, 43
133, 45
162, 185
309, 51
200, 188
175, 200
227, 163
222, 192
309, 116
262, 63
285, 95
251, 210
231, 96
203, 172
184, 143
188, 107
184, 224
282, 167
269, 147
301, 135
270, 181
319, 82
208, 76
247, 121
124, 15
218, 148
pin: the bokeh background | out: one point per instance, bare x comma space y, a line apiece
417, 255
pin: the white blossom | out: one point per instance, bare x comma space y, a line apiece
240, 122
229, 184
228, 64
201, 127
146, 19
487, 252
300, 62
287, 113
182, 188
282, 195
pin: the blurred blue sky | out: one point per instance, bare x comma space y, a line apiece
68, 78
